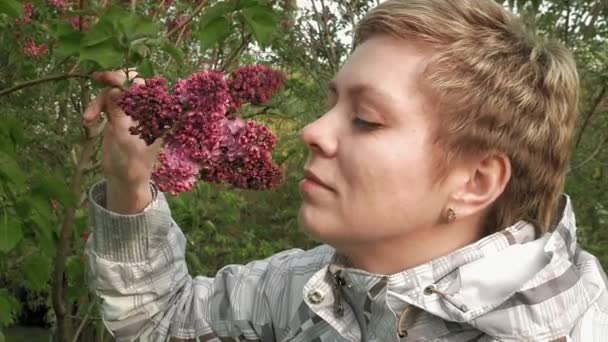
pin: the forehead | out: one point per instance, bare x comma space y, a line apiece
388, 64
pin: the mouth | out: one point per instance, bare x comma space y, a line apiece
310, 177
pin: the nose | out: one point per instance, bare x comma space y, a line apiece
320, 136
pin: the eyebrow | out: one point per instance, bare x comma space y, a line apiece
379, 98
357, 90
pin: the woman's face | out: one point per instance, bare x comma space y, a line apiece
372, 150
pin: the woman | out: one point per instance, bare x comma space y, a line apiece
435, 179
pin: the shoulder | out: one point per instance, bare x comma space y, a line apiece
298, 260
593, 324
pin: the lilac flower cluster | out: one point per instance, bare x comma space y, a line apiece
33, 50
201, 141
28, 12
254, 84
60, 5
152, 107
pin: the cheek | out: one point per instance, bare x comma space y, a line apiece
388, 185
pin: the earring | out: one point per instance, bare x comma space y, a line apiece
451, 215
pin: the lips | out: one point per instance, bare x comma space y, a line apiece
309, 175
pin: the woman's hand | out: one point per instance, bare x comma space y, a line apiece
127, 160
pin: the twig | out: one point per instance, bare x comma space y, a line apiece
591, 156
185, 22
177, 41
567, 25
63, 246
84, 320
236, 52
590, 113
42, 80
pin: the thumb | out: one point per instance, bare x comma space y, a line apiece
94, 109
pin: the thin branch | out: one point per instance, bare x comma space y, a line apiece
160, 8
63, 247
42, 80
236, 52
196, 11
591, 156
595, 12
85, 319
567, 26
590, 113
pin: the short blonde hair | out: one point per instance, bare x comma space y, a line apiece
499, 89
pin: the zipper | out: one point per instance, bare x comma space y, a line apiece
339, 282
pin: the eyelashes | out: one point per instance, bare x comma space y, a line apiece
365, 125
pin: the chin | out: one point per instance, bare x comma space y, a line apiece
309, 222
317, 228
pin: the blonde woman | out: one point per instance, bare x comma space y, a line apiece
435, 180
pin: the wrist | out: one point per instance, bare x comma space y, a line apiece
127, 199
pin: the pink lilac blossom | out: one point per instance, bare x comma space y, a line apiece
60, 5
28, 12
201, 142
75, 22
151, 106
254, 84
34, 50
177, 172
206, 91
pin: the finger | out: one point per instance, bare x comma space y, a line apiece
113, 97
158, 144
94, 109
115, 78
110, 78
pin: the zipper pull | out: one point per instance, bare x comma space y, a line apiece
339, 282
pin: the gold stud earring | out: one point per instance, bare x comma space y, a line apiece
451, 215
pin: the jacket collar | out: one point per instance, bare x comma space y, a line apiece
468, 283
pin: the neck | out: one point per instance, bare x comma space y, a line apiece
409, 250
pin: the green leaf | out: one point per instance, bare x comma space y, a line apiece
145, 68
6, 144
11, 7
69, 43
213, 33
174, 52
15, 128
262, 21
2, 338
45, 234
9, 307
37, 271
99, 33
11, 136
10, 170
49, 186
10, 233
105, 54
216, 11
74, 270
135, 27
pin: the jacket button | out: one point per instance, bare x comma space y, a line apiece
315, 297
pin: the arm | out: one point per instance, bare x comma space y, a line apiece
137, 267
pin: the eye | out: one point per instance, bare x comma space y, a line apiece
367, 125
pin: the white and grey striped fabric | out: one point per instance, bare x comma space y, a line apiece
508, 286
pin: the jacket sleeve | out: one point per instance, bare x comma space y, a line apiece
593, 325
137, 267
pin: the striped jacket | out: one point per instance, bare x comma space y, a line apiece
508, 286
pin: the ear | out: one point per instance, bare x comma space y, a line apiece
481, 182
